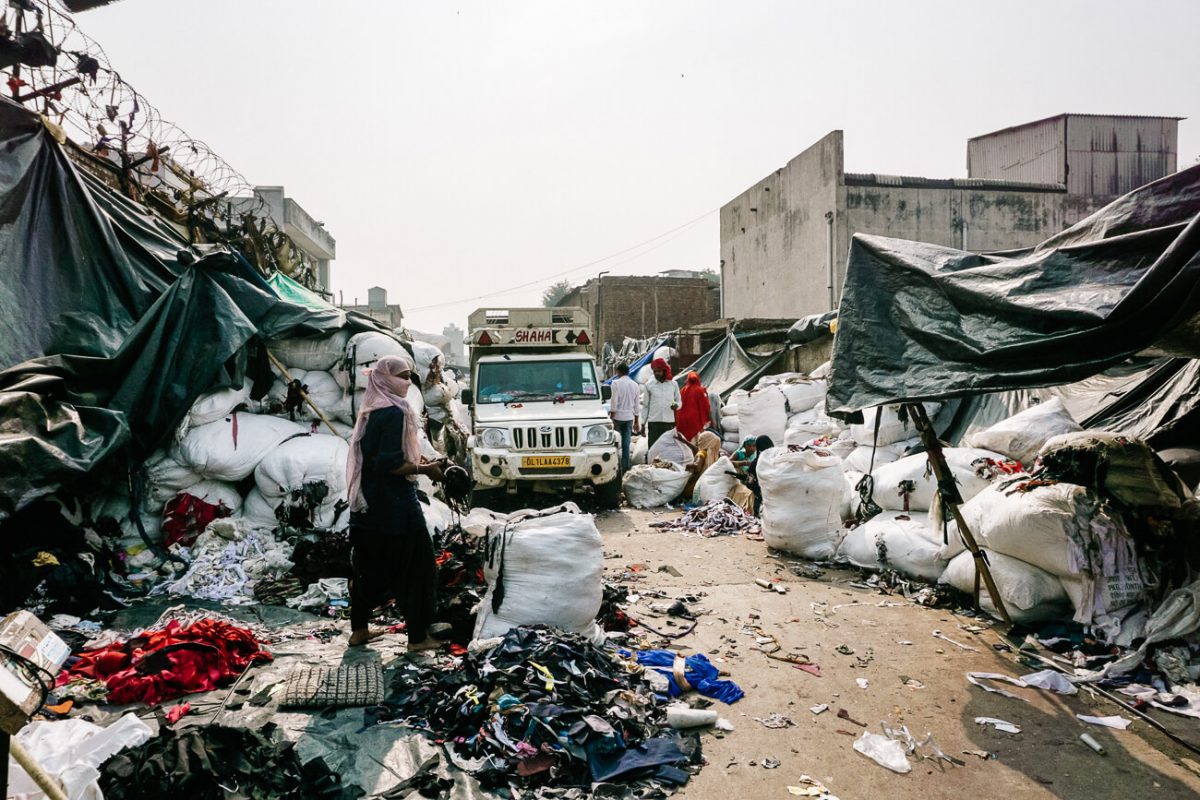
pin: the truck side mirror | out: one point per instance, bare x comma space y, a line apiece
467, 397
606, 392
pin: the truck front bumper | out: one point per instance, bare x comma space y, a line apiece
493, 469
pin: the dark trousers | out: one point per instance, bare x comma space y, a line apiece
656, 429
625, 429
394, 564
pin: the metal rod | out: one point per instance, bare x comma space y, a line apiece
51, 89
945, 478
288, 377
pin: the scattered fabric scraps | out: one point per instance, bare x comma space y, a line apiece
714, 518
959, 645
697, 671
178, 712
775, 721
811, 787
1051, 680
811, 669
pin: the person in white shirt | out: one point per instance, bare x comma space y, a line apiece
623, 408
660, 401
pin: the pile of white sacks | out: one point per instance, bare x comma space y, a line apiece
1053, 550
232, 451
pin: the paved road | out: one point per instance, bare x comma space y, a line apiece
816, 616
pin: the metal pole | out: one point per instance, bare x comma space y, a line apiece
951, 499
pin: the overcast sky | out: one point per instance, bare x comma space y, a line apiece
459, 149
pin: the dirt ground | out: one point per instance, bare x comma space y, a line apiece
893, 646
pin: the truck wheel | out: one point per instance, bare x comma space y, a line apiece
608, 495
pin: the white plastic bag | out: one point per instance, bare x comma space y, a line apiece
212, 451
648, 486
883, 751
916, 468
317, 352
804, 493
895, 540
214, 405
1031, 525
1022, 435
764, 413
716, 483
1030, 594
551, 565
801, 394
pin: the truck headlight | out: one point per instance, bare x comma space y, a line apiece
494, 437
597, 434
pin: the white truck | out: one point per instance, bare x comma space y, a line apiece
537, 406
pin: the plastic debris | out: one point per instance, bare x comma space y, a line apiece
775, 721
811, 787
959, 645
863, 683
769, 763
978, 678
819, 709
883, 751
723, 724
998, 724
1091, 742
1050, 679
683, 717
1120, 723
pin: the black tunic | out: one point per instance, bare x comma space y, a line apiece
392, 553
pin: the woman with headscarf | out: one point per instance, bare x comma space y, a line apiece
707, 449
693, 415
391, 553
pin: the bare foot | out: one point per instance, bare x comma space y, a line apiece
360, 637
428, 643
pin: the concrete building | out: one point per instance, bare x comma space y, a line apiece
306, 233
457, 352
378, 309
784, 240
639, 306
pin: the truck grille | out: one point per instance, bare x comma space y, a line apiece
560, 437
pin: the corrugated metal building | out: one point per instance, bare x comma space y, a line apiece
1091, 154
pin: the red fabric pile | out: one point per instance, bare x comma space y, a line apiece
165, 664
186, 517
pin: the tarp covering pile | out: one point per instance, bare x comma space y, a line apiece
919, 321
110, 324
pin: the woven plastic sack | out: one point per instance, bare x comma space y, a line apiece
317, 352
895, 540
717, 481
917, 471
1022, 435
804, 493
214, 405
230, 448
764, 413
649, 486
1030, 594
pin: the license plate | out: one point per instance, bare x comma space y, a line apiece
545, 462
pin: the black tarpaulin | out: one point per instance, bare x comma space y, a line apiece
923, 322
110, 326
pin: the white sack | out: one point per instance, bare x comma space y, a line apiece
808, 425
438, 516
859, 459
638, 447
214, 405
364, 349
552, 568
1030, 594
423, 355
210, 449
304, 460
802, 395
888, 541
764, 413
716, 483
1022, 435
648, 486
1031, 526
670, 447
258, 512
216, 493
165, 477
320, 352
804, 493
891, 428
916, 468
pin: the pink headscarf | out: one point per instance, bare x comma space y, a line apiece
384, 389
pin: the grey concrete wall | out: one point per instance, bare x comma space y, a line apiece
774, 258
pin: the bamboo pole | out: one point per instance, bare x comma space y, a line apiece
34, 770
951, 499
288, 378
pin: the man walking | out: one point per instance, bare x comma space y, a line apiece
623, 408
660, 401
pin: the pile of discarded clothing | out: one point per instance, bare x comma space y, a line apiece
714, 518
542, 708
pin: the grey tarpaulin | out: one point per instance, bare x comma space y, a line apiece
727, 366
923, 322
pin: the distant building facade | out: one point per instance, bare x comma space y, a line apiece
378, 309
307, 234
457, 349
784, 240
639, 306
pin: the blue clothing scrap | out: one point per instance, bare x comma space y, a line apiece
698, 671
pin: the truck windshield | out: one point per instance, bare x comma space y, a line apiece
525, 381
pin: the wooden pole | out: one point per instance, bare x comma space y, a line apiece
34, 770
288, 378
951, 499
